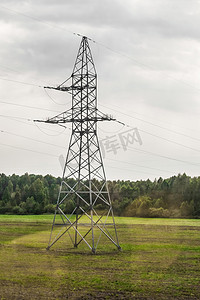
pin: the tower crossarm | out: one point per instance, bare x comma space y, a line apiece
66, 117
69, 88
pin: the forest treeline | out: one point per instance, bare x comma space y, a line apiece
177, 196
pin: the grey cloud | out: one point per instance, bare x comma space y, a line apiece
156, 72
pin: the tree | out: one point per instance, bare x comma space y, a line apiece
175, 196
187, 209
159, 203
38, 191
159, 212
31, 206
7, 194
143, 209
18, 196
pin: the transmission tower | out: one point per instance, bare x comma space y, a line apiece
83, 185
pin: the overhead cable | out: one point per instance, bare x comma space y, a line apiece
31, 139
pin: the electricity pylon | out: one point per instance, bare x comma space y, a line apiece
83, 183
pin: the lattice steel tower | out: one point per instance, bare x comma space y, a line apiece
84, 182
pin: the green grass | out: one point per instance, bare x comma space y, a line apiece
119, 220
26, 218
160, 260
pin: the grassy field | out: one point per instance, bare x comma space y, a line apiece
160, 260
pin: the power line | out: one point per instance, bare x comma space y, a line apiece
10, 69
153, 124
54, 100
118, 121
131, 170
14, 117
158, 155
52, 134
148, 152
99, 43
162, 156
40, 21
145, 116
157, 136
173, 142
36, 19
31, 139
151, 153
131, 163
27, 106
21, 82
34, 151
144, 65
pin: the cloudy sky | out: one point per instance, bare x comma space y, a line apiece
147, 56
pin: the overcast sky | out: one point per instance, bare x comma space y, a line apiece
147, 56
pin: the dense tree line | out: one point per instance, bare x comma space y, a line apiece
177, 196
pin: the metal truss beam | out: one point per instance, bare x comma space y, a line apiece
84, 163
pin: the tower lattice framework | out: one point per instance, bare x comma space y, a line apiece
83, 186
